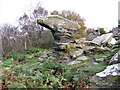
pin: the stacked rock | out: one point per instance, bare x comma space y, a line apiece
63, 31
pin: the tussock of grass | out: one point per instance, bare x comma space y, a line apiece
102, 55
95, 69
7, 63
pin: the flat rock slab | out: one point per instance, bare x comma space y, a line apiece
105, 38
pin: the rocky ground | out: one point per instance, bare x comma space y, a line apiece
86, 62
85, 49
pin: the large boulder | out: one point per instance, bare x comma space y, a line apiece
59, 22
99, 40
116, 58
110, 77
116, 33
63, 30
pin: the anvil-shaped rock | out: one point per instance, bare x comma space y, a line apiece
62, 29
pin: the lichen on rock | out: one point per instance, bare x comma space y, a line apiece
63, 30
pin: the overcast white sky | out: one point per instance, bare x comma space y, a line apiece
97, 13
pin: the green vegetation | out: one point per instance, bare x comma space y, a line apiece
102, 31
29, 61
7, 62
95, 69
32, 73
102, 55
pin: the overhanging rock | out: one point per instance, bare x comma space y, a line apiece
63, 30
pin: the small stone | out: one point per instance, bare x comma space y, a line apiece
51, 58
77, 53
82, 58
43, 57
100, 59
74, 62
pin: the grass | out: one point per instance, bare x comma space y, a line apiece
95, 69
101, 56
30, 72
7, 63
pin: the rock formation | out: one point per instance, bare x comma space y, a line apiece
116, 58
110, 77
105, 38
63, 31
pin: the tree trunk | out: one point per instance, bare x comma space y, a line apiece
1, 49
25, 44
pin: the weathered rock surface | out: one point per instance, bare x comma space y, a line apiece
116, 33
113, 41
110, 77
45, 57
76, 53
80, 43
82, 58
58, 22
113, 70
110, 81
93, 34
116, 58
63, 30
65, 58
86, 48
99, 40
74, 62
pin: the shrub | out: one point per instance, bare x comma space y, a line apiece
102, 31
